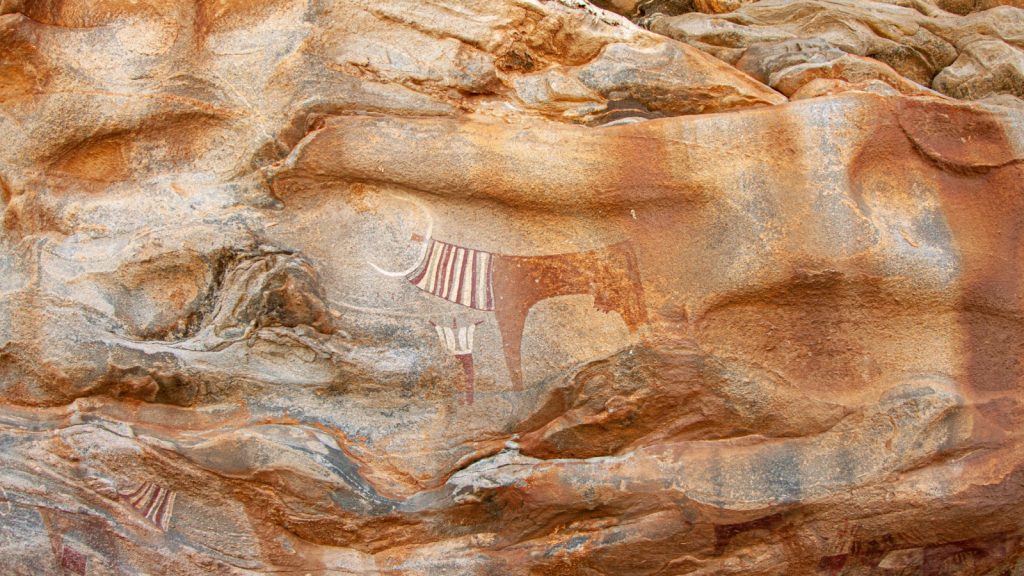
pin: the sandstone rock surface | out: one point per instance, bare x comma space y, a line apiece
511, 287
969, 57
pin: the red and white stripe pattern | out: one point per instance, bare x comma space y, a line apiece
457, 274
153, 501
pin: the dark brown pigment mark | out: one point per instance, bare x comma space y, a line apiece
72, 560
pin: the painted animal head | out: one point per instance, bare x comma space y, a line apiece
424, 240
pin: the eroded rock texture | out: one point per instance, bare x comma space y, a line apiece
511, 287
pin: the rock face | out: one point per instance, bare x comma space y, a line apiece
972, 58
511, 287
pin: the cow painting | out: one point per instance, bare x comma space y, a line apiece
509, 285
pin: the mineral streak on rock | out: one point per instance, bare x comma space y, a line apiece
528, 287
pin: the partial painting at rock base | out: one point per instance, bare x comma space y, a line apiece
511, 287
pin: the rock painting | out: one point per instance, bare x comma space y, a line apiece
757, 268
71, 560
153, 502
458, 341
510, 285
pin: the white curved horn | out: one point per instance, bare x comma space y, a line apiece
423, 249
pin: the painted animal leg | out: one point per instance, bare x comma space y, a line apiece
511, 321
468, 372
633, 310
635, 313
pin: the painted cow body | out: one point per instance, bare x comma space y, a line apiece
510, 286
